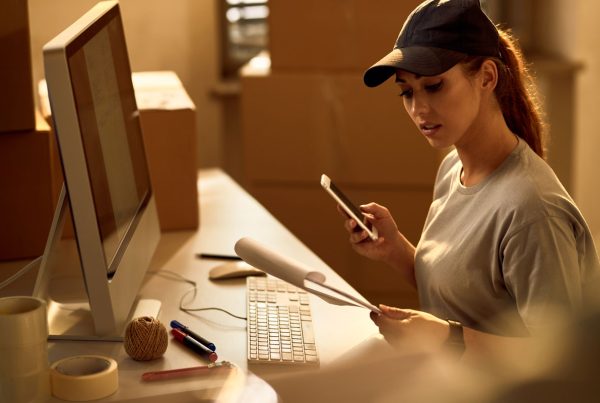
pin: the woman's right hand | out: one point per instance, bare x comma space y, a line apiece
389, 241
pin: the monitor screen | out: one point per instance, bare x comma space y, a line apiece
108, 189
112, 142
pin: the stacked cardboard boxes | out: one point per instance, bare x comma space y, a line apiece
31, 175
310, 114
168, 120
17, 112
29, 184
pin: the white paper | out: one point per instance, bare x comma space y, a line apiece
296, 273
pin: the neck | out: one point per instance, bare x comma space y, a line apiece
485, 146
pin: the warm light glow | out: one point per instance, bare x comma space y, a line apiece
260, 62
247, 13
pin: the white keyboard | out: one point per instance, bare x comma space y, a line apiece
280, 327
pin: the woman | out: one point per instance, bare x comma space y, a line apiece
504, 246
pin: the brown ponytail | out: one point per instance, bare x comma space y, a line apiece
516, 93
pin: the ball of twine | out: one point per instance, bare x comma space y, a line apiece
145, 339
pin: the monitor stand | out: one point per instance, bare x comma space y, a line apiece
61, 283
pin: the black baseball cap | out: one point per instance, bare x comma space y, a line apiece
435, 36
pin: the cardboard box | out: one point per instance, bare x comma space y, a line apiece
17, 110
334, 34
296, 126
30, 180
311, 215
168, 119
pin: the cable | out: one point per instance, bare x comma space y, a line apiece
164, 273
20, 273
194, 290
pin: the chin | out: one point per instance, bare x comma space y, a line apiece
439, 144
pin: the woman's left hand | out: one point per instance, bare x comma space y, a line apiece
407, 328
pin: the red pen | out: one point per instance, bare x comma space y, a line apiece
182, 372
195, 345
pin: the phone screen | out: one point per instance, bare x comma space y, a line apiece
349, 208
345, 199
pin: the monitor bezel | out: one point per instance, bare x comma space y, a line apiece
111, 298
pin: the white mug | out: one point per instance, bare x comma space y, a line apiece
24, 369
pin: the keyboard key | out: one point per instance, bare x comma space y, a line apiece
279, 326
307, 331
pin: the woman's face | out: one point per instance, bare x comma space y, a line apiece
443, 107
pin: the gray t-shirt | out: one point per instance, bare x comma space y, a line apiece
504, 255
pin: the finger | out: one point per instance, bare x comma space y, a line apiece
358, 237
370, 217
373, 208
380, 240
387, 326
350, 225
394, 313
342, 212
374, 317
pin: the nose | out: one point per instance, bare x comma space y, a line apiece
418, 105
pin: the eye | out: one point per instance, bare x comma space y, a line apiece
433, 87
406, 94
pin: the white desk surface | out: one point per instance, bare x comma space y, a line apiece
227, 213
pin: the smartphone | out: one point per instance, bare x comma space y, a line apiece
349, 207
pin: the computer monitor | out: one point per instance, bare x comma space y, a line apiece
108, 190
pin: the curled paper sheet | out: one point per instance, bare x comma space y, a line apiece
295, 273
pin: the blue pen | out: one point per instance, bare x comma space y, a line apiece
176, 325
195, 345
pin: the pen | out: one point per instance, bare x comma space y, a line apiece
217, 256
177, 325
194, 345
182, 372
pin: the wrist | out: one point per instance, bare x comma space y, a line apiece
402, 254
455, 343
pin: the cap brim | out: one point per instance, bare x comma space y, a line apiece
423, 61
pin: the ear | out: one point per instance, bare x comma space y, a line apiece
489, 75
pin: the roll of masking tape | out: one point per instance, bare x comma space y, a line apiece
84, 377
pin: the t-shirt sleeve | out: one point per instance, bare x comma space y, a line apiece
542, 272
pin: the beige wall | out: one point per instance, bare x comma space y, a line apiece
179, 35
587, 140
570, 30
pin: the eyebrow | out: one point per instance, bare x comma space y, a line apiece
399, 80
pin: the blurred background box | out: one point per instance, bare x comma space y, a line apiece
334, 34
17, 111
168, 120
296, 126
30, 181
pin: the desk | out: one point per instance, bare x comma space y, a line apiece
227, 213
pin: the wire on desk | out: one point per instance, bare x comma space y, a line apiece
194, 290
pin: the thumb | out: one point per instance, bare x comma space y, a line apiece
394, 313
374, 210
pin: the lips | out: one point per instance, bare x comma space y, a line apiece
429, 128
